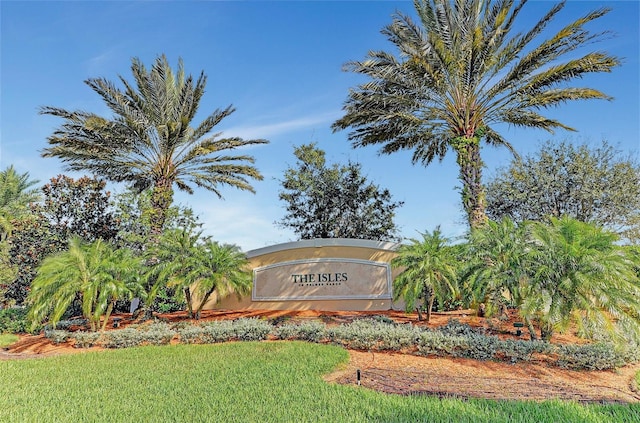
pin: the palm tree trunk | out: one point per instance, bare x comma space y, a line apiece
432, 298
532, 330
546, 331
204, 301
473, 192
107, 314
187, 296
161, 199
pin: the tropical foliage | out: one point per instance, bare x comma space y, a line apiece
458, 71
579, 275
334, 201
201, 269
69, 207
428, 272
96, 272
16, 193
556, 274
593, 184
80, 207
496, 274
149, 141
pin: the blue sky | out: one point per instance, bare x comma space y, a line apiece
279, 64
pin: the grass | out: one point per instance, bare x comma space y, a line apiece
240, 382
7, 339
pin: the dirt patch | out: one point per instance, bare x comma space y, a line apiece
406, 374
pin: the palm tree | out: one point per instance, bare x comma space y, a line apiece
579, 275
211, 268
149, 142
457, 73
429, 272
497, 271
94, 271
15, 196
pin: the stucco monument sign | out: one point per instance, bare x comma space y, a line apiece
322, 279
319, 274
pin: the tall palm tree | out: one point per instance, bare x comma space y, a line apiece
429, 272
95, 271
457, 72
149, 141
16, 194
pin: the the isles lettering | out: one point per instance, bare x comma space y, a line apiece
320, 277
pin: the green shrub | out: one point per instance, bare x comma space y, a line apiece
67, 323
85, 339
589, 357
307, 331
218, 331
13, 320
191, 334
57, 336
251, 329
439, 343
123, 338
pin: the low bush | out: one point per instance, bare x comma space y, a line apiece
57, 336
85, 339
307, 331
191, 334
13, 320
251, 329
218, 331
453, 339
590, 356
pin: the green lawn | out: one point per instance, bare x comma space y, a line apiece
239, 382
7, 339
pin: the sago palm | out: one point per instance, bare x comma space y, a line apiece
149, 141
458, 71
428, 272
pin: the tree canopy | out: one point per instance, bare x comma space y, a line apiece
334, 201
457, 72
149, 141
591, 184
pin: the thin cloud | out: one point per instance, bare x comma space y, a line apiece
271, 129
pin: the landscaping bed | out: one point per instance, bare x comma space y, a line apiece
401, 372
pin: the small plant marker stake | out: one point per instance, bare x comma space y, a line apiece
358, 376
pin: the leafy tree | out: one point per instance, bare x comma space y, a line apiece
31, 240
98, 273
79, 208
132, 211
457, 72
16, 194
429, 272
69, 208
579, 275
594, 185
149, 141
334, 201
